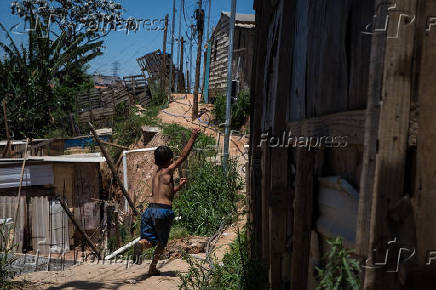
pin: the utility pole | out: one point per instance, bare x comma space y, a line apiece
173, 24
179, 44
115, 68
200, 20
190, 59
164, 49
207, 60
229, 86
181, 56
188, 82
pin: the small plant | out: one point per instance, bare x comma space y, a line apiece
6, 247
237, 270
240, 110
340, 271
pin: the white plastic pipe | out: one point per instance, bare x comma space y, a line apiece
125, 177
122, 249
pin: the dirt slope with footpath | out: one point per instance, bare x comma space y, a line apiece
140, 169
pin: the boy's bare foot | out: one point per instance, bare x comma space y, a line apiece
153, 271
138, 248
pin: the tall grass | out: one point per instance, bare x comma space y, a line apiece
209, 198
237, 270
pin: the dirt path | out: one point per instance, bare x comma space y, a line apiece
108, 276
180, 110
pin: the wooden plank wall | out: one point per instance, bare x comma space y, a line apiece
332, 72
424, 186
243, 49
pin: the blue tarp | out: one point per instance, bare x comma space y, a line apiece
84, 141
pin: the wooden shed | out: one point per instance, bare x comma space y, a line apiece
42, 224
361, 72
242, 52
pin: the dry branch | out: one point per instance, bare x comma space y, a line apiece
114, 171
71, 216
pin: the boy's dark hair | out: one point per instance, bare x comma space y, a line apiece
162, 155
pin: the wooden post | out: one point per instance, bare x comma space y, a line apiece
164, 49
198, 63
114, 171
188, 82
280, 194
20, 186
375, 83
204, 68
392, 148
424, 200
302, 218
117, 228
182, 42
71, 217
7, 149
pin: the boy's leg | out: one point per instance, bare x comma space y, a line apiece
153, 271
148, 236
162, 225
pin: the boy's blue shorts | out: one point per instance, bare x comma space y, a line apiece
156, 223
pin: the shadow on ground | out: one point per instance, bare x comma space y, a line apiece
110, 285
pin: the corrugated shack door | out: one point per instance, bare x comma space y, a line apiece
40, 224
8, 207
49, 226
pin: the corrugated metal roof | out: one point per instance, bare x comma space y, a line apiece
19, 142
242, 17
33, 175
75, 158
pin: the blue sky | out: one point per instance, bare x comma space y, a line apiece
126, 48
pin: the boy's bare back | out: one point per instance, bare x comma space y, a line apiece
163, 189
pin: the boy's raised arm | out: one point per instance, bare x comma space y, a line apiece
185, 151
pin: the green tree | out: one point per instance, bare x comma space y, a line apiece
39, 80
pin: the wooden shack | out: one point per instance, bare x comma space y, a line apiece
326, 69
42, 224
242, 52
98, 105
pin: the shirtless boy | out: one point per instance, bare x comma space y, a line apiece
157, 219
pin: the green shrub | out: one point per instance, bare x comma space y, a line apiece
209, 198
219, 109
240, 110
127, 127
340, 271
179, 135
159, 97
